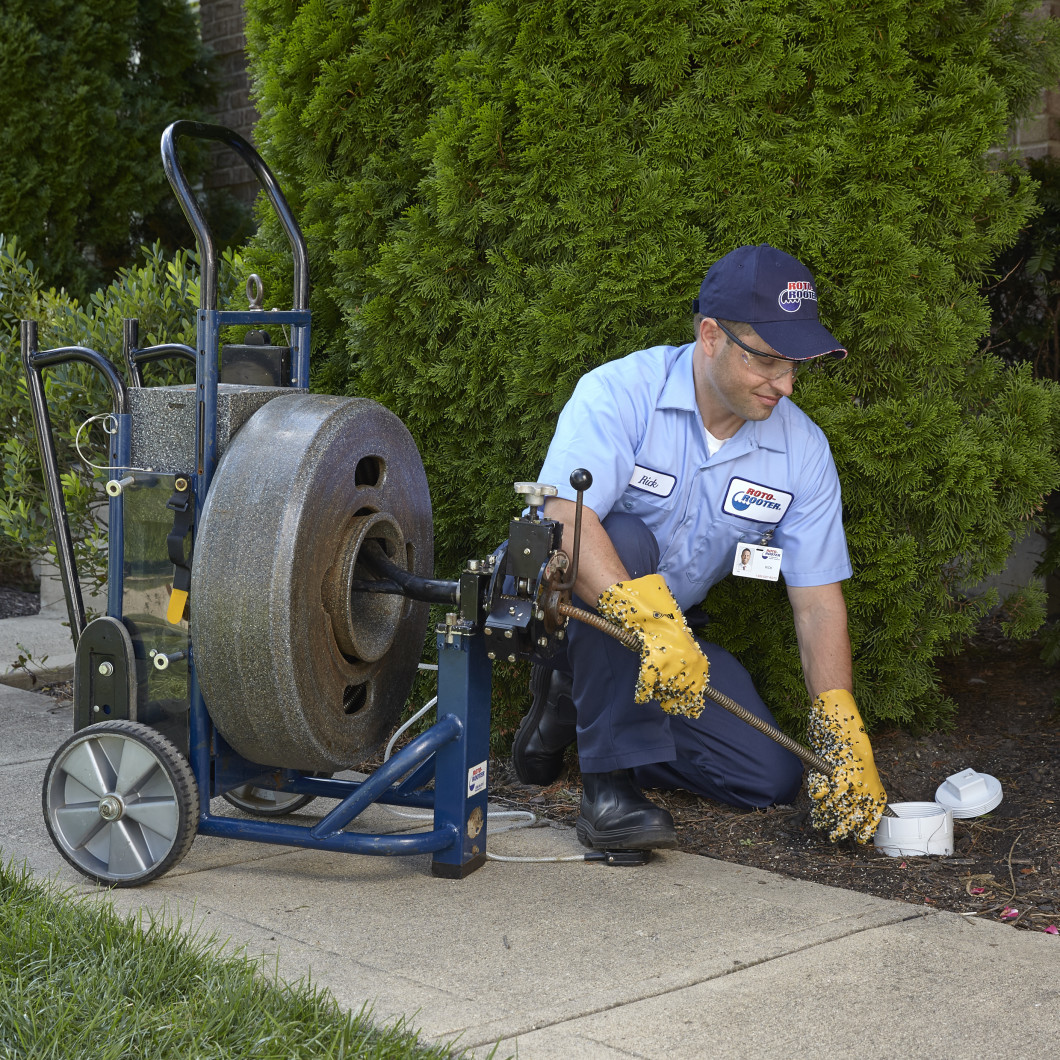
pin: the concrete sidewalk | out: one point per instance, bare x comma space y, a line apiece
682, 958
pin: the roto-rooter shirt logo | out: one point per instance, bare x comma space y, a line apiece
795, 294
749, 500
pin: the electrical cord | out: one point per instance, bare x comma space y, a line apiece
519, 818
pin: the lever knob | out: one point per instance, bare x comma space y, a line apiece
580, 479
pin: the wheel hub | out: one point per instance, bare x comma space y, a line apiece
111, 808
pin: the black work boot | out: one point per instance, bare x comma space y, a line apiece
548, 728
616, 815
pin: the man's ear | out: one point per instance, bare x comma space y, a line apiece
711, 337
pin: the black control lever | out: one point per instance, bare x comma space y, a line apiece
580, 480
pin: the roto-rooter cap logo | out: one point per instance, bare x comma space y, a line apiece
794, 294
750, 500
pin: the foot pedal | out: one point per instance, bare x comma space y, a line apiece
620, 857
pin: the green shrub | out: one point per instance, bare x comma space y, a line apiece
162, 293
502, 194
86, 88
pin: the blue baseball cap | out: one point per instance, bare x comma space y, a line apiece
775, 294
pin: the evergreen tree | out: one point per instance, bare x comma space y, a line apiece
505, 196
86, 88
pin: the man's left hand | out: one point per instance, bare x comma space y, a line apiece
852, 800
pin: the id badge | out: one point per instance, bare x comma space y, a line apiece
757, 561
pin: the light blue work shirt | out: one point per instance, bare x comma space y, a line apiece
634, 424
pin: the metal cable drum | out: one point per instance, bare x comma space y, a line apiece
293, 672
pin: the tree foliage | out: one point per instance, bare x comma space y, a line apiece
502, 194
86, 88
162, 293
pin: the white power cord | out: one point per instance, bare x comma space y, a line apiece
520, 818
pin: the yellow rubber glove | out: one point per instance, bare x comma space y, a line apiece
851, 801
673, 669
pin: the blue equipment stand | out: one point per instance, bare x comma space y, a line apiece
454, 751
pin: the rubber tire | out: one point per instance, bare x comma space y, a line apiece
279, 809
168, 782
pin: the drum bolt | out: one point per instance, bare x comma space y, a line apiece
106, 669
539, 615
511, 658
542, 642
488, 631
491, 655
116, 485
526, 552
507, 634
560, 634
162, 660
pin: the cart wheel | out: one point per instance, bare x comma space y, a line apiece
121, 803
265, 802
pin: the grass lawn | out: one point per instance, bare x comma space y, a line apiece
79, 981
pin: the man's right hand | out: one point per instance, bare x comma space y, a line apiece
673, 668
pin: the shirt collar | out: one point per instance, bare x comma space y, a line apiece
679, 392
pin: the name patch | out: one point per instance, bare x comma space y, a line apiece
751, 500
657, 482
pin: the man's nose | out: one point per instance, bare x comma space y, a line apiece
785, 383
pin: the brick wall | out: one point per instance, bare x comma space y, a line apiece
222, 32
1039, 135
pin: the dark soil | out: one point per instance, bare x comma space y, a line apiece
15, 603
1005, 865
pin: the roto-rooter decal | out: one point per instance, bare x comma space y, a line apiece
751, 500
797, 291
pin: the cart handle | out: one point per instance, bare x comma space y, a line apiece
190, 206
135, 356
33, 361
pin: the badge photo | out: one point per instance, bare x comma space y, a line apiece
757, 561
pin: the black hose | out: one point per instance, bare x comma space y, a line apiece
429, 590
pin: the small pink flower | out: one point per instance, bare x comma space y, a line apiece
978, 890
1008, 913
1052, 929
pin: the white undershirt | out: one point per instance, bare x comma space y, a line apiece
713, 444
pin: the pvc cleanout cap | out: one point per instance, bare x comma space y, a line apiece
968, 793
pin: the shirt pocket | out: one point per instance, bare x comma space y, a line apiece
750, 530
650, 507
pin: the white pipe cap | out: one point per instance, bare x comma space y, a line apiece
968, 793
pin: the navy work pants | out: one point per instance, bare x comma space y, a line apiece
716, 755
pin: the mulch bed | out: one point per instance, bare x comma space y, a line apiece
1005, 865
14, 603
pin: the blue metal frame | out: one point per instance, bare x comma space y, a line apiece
455, 750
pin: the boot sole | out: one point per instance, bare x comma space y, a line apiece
625, 838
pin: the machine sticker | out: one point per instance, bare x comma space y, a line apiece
657, 482
476, 779
757, 561
749, 500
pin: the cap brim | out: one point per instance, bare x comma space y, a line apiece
800, 340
